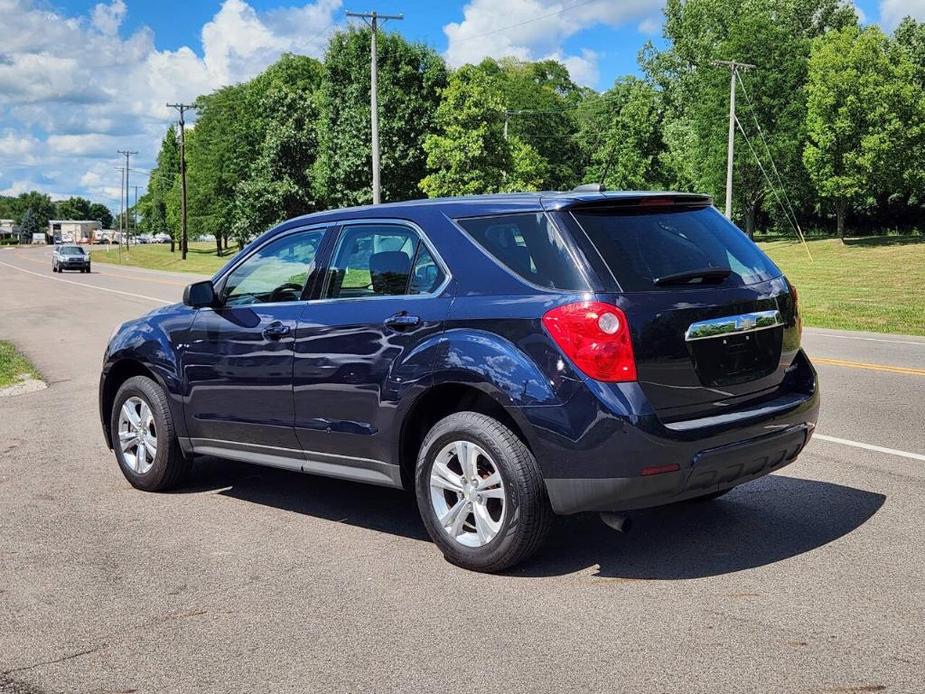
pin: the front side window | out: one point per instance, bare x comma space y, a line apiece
381, 260
529, 245
275, 273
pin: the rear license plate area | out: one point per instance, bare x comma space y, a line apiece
731, 359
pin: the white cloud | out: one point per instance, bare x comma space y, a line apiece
537, 29
64, 112
108, 18
892, 12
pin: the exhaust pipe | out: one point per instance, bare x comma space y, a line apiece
617, 521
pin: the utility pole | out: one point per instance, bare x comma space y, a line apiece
184, 241
135, 211
128, 155
734, 67
372, 19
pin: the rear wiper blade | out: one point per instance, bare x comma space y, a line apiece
704, 275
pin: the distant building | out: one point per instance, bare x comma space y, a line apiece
10, 233
73, 230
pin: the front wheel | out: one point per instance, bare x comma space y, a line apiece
480, 493
144, 438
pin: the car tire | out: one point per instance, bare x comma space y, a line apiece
497, 531
167, 467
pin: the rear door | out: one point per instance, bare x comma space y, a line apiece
360, 348
714, 322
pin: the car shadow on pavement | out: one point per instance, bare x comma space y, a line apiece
765, 521
762, 522
364, 505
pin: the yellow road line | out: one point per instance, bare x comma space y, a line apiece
870, 367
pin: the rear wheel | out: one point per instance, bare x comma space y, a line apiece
144, 438
480, 493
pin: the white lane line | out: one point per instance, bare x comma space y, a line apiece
88, 286
869, 447
865, 339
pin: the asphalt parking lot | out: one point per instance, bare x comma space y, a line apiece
252, 579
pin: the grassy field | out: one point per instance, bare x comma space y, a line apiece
871, 283
201, 259
13, 365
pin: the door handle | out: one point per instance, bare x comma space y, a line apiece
276, 330
402, 321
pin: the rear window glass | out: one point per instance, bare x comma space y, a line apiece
529, 245
641, 246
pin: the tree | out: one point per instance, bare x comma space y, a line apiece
411, 76
101, 213
279, 185
776, 36
165, 175
74, 208
30, 224
40, 204
621, 136
864, 117
540, 99
226, 140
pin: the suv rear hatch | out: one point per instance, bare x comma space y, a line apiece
713, 321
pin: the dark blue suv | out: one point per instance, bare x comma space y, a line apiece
507, 357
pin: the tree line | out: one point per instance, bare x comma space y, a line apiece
31, 211
832, 123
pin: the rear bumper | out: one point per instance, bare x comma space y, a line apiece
595, 451
710, 471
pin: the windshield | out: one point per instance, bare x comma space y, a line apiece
645, 245
72, 250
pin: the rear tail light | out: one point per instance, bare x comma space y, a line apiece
596, 337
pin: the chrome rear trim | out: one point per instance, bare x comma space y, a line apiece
733, 325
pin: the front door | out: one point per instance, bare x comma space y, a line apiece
361, 346
238, 365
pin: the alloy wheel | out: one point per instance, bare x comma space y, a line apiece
467, 493
137, 434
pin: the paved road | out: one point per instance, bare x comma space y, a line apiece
254, 579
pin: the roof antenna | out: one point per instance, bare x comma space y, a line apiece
589, 188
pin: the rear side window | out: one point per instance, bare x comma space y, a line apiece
529, 245
640, 246
381, 260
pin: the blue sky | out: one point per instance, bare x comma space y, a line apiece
80, 79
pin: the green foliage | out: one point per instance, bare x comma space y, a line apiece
540, 99
621, 136
279, 185
410, 78
101, 213
30, 223
864, 117
468, 153
39, 203
74, 208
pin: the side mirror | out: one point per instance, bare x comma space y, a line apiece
199, 294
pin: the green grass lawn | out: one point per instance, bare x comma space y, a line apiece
872, 283
202, 257
13, 365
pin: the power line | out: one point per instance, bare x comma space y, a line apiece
767, 149
773, 189
372, 19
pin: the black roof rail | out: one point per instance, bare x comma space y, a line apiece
589, 188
